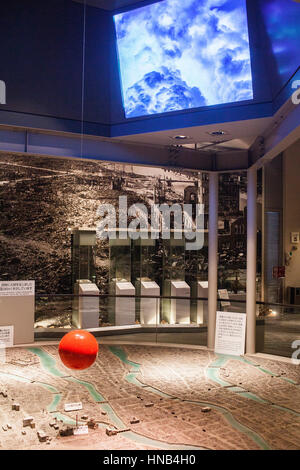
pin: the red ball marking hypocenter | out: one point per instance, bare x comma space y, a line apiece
78, 349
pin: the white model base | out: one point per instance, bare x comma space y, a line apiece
125, 308
202, 305
86, 315
149, 310
180, 308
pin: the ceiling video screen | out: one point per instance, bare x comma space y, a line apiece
183, 54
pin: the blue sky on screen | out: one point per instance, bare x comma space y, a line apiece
182, 54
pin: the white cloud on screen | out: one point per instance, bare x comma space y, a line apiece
184, 54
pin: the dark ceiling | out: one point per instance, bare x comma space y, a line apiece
111, 4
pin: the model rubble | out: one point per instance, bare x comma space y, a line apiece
178, 396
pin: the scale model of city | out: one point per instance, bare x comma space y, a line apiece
143, 397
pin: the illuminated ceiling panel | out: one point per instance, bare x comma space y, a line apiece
176, 55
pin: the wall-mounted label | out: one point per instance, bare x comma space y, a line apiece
6, 336
230, 333
16, 288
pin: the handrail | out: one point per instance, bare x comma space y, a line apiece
164, 297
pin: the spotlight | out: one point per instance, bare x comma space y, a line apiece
273, 313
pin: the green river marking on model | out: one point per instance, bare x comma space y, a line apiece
120, 353
213, 371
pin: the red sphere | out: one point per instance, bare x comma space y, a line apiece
78, 349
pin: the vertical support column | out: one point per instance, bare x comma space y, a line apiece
212, 257
251, 260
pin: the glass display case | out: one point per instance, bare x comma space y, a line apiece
145, 260
146, 277
120, 311
196, 262
173, 269
142, 267
119, 260
83, 255
84, 278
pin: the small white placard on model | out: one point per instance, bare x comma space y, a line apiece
230, 333
81, 430
223, 294
6, 336
16, 288
73, 406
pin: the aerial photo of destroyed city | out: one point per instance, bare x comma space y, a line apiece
43, 198
145, 398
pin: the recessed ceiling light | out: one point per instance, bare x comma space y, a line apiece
217, 133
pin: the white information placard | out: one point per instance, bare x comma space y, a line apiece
81, 430
6, 336
73, 406
16, 288
230, 333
